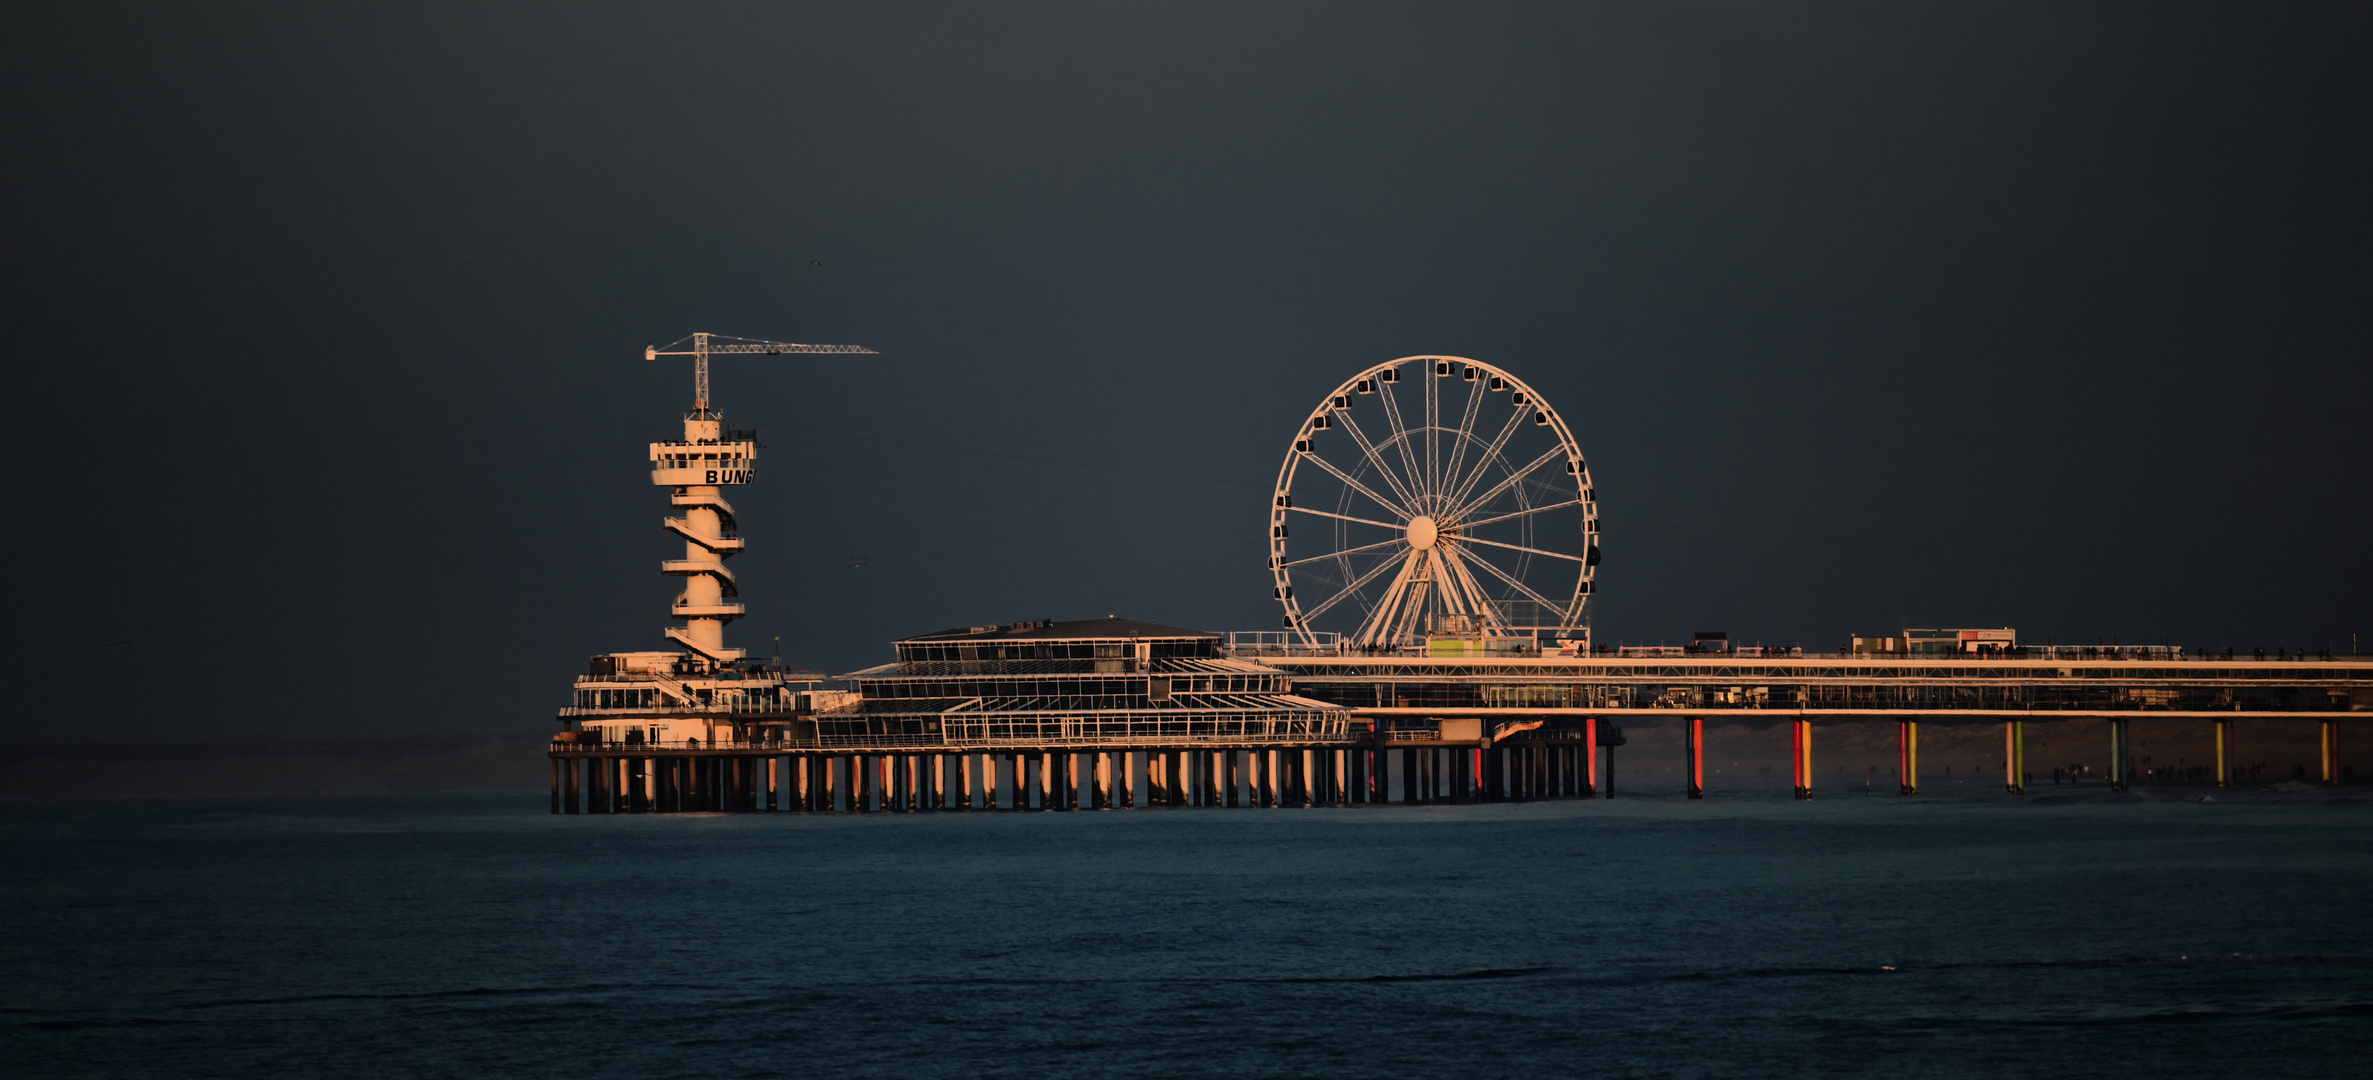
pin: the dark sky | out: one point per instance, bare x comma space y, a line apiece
324, 321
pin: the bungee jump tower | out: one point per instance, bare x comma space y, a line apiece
696, 696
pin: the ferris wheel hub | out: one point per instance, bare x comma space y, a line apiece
1421, 533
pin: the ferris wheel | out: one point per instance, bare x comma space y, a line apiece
1466, 509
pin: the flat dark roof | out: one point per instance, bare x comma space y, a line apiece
1073, 630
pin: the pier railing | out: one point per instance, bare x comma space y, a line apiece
941, 744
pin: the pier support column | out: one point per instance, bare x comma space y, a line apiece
1695, 742
2014, 757
1800, 757
555, 785
568, 787
2120, 764
1907, 757
1588, 753
2328, 740
1100, 794
2224, 753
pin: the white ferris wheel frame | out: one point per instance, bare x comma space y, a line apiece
1431, 551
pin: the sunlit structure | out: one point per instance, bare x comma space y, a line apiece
1440, 525
661, 697
1434, 501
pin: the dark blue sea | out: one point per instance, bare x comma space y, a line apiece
2076, 934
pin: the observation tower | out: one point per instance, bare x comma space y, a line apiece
697, 468
703, 691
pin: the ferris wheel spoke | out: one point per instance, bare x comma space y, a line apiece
1468, 506
1355, 485
1519, 513
1481, 602
1520, 547
1344, 517
1376, 459
1345, 551
1458, 589
1385, 615
1483, 461
1446, 583
1434, 428
1515, 584
1401, 440
1465, 434
1356, 585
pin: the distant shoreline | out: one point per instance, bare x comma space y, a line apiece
419, 763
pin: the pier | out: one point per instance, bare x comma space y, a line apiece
1461, 549
1361, 731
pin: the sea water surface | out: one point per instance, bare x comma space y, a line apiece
2051, 935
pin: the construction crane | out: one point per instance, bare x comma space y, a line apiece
705, 345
